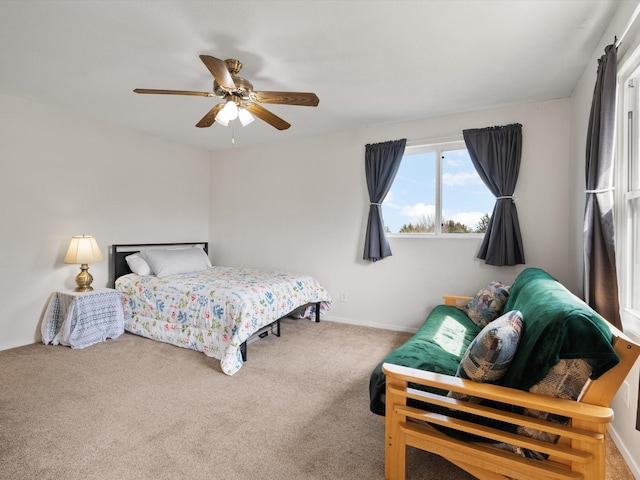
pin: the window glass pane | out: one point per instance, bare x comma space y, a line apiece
634, 250
630, 253
467, 203
409, 207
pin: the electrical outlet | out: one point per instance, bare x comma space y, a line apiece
343, 296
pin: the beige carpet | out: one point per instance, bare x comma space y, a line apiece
132, 408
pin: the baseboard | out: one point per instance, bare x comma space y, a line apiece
18, 344
350, 321
633, 465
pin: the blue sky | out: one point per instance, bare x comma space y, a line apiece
465, 198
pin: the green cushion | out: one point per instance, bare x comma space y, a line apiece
438, 346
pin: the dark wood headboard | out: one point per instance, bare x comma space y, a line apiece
119, 265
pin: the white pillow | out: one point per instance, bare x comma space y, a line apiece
172, 261
199, 247
138, 264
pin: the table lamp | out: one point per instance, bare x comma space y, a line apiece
83, 250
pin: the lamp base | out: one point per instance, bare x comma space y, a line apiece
84, 279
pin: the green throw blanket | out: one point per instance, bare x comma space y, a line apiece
557, 324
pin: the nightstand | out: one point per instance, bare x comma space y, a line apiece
80, 319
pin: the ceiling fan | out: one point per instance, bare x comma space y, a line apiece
241, 101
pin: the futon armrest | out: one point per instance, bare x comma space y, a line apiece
456, 300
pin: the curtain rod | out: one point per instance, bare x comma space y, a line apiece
628, 27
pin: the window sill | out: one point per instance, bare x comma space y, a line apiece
442, 236
631, 325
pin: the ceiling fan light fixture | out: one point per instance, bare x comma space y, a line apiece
245, 117
221, 120
229, 112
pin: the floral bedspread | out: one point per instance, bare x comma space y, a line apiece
216, 310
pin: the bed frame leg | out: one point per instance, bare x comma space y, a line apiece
317, 312
243, 350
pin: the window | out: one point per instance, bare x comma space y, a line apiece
437, 191
628, 202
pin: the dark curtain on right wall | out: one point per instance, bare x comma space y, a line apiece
600, 278
495, 153
600, 275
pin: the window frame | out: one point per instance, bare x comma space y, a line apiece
437, 146
627, 159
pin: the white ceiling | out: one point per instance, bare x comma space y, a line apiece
369, 62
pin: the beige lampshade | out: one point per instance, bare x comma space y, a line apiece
83, 249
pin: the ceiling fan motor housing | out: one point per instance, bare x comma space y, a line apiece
243, 88
233, 65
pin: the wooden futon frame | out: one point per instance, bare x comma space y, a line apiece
579, 452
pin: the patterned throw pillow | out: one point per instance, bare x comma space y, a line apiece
566, 379
489, 355
487, 303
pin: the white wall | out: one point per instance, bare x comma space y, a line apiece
302, 206
623, 426
62, 176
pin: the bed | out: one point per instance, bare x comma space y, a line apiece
172, 294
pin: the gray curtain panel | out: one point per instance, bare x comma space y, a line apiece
496, 152
381, 164
600, 277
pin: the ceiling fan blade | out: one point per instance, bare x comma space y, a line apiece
174, 92
288, 98
219, 70
267, 116
210, 117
